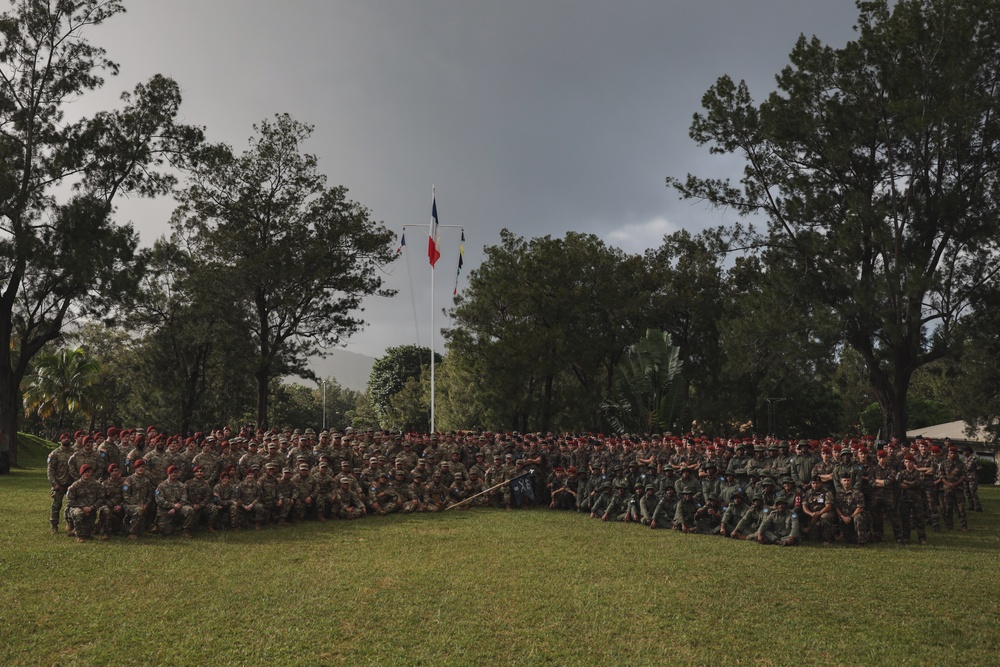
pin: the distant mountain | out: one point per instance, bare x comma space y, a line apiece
349, 369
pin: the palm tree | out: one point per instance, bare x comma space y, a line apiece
647, 389
64, 383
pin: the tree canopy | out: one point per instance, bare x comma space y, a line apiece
61, 253
875, 167
295, 255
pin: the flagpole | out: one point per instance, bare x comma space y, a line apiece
433, 341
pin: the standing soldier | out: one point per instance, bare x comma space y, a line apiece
952, 477
911, 499
882, 481
971, 464
57, 469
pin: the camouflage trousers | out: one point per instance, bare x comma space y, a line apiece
167, 523
111, 522
771, 537
882, 507
932, 506
301, 508
209, 512
83, 523
912, 516
954, 499
971, 489
57, 503
228, 508
137, 518
855, 530
822, 528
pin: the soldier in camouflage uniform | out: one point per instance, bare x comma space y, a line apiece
684, 515
198, 498
647, 505
971, 464
733, 513
57, 468
779, 526
747, 527
666, 509
288, 496
111, 516
347, 503
952, 479
708, 518
248, 502
171, 513
224, 499
383, 498
270, 494
306, 493
882, 481
911, 499
818, 508
850, 506
140, 499
84, 498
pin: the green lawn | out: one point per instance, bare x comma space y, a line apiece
487, 587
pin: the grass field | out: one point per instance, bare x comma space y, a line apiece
487, 587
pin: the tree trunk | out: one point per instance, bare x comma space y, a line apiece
10, 410
262, 376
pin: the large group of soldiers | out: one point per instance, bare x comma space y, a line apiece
769, 490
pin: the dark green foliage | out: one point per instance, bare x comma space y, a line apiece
648, 390
877, 169
390, 373
61, 253
278, 245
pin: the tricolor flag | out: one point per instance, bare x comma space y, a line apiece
461, 254
402, 243
433, 254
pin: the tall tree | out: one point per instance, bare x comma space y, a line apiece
61, 254
545, 320
193, 341
294, 254
877, 169
389, 376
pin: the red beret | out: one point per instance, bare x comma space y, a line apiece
113, 430
112, 467
85, 468
88, 439
909, 457
172, 469
881, 453
935, 450
64, 436
138, 463
198, 468
953, 448
78, 434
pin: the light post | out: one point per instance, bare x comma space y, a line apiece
324, 404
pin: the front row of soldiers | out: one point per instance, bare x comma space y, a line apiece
782, 516
136, 504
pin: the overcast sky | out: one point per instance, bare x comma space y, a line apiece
542, 116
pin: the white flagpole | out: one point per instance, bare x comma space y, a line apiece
434, 202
